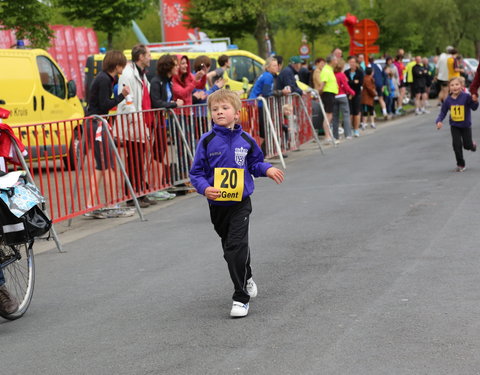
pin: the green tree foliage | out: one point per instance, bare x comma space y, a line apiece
420, 28
311, 17
232, 18
29, 18
469, 11
107, 16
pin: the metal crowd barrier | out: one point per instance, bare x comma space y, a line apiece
142, 152
291, 117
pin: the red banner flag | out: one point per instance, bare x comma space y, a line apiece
173, 20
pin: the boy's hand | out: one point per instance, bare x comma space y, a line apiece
475, 98
212, 193
275, 174
439, 125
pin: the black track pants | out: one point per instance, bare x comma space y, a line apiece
231, 224
461, 138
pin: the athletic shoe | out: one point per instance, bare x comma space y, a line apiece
151, 202
474, 146
460, 169
327, 141
373, 125
418, 111
90, 214
110, 213
239, 310
336, 141
349, 137
363, 126
252, 289
356, 133
161, 196
142, 203
8, 303
425, 111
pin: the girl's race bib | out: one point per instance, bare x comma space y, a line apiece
457, 113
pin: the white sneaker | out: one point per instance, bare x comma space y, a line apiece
162, 195
425, 110
373, 125
363, 126
252, 289
239, 310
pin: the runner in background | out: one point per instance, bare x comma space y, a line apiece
460, 104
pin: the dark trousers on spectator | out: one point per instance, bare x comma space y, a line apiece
135, 165
231, 224
461, 138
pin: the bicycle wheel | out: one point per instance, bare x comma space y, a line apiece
19, 275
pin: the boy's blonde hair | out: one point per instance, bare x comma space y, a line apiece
224, 95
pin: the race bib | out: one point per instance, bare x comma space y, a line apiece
457, 112
230, 181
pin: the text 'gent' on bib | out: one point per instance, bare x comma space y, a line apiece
231, 182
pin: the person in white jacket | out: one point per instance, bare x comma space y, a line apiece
442, 74
132, 129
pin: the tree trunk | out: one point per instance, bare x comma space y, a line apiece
110, 40
272, 42
260, 31
477, 48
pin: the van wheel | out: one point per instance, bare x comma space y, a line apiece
71, 160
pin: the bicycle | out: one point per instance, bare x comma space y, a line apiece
16, 259
18, 266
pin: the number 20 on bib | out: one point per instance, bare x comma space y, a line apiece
230, 181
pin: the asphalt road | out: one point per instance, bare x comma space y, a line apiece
367, 262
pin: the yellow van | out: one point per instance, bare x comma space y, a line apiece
245, 66
35, 90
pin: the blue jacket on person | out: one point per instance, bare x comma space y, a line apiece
227, 148
263, 86
379, 75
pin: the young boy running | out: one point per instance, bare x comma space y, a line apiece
225, 160
460, 105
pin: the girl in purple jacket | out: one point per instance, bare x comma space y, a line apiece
460, 104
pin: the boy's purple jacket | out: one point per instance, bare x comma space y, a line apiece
228, 149
462, 99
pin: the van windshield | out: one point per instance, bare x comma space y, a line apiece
52, 79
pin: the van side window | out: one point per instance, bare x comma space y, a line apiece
51, 78
242, 67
